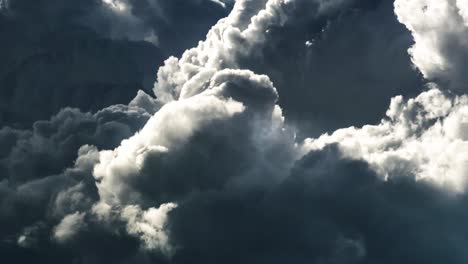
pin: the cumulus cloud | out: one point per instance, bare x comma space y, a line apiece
46, 172
424, 137
272, 42
440, 33
400, 156
225, 42
225, 135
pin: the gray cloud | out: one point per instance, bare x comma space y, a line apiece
52, 145
212, 171
318, 61
329, 210
318, 57
33, 165
83, 54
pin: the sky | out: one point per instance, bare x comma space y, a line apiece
233, 131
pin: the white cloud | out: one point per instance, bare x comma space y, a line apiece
440, 32
149, 226
168, 128
228, 38
424, 137
117, 5
69, 226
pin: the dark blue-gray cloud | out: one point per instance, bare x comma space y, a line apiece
319, 62
60, 53
328, 210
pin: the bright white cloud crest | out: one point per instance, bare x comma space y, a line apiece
424, 137
440, 31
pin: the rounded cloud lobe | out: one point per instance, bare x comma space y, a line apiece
212, 171
440, 30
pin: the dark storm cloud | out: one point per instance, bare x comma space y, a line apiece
179, 23
85, 54
33, 165
338, 69
328, 210
52, 145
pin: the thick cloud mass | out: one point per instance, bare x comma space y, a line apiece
33, 174
318, 54
215, 169
88, 54
319, 61
329, 210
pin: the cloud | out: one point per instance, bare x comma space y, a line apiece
212, 172
161, 22
355, 51
328, 210
424, 136
221, 136
115, 19
439, 30
86, 55
310, 79
322, 204
149, 225
52, 145
46, 172
69, 226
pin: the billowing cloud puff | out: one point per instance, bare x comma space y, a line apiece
229, 37
225, 135
272, 41
37, 189
425, 137
440, 32
150, 226
232, 38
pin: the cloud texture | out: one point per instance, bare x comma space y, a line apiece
88, 54
213, 171
439, 29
